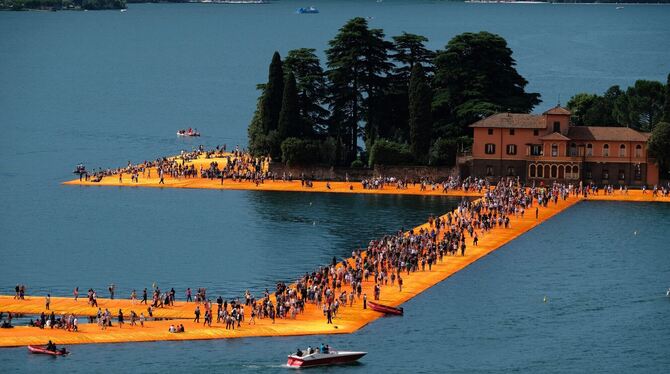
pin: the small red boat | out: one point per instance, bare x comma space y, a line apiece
398, 311
332, 357
41, 349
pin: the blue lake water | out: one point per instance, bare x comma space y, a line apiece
107, 87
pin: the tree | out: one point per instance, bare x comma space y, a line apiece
659, 144
357, 63
420, 120
272, 96
579, 105
311, 85
644, 104
475, 76
666, 104
290, 123
409, 50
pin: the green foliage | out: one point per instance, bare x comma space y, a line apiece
409, 50
357, 164
300, 152
443, 152
640, 106
666, 104
358, 64
659, 144
290, 124
272, 96
311, 85
386, 152
63, 4
420, 120
475, 76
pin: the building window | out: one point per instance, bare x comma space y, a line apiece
589, 174
568, 171
589, 149
575, 172
531, 171
490, 148
490, 131
557, 127
511, 171
606, 174
554, 171
540, 171
606, 150
638, 151
561, 172
638, 172
546, 171
489, 171
511, 149
536, 150
511, 131
622, 174
536, 132
622, 150
573, 150
554, 150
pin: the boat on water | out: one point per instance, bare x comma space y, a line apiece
41, 349
310, 10
189, 132
398, 311
317, 358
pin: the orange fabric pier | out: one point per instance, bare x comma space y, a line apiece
312, 321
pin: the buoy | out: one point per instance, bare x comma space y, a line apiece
635, 232
546, 299
314, 223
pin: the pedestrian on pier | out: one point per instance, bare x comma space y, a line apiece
47, 301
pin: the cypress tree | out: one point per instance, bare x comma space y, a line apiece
666, 104
420, 120
289, 118
272, 96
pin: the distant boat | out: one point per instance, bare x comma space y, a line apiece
619, 8
387, 309
310, 10
124, 10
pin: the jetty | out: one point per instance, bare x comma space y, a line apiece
312, 320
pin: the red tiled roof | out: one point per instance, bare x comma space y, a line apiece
617, 134
558, 110
555, 136
512, 120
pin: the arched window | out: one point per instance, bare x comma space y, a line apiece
568, 172
638, 151
546, 171
540, 171
589, 149
622, 150
561, 174
554, 171
606, 150
531, 171
575, 172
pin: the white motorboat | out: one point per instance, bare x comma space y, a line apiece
316, 358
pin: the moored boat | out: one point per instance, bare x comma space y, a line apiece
189, 132
310, 10
40, 349
330, 357
398, 311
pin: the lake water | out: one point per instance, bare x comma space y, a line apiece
107, 87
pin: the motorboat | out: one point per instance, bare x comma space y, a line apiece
189, 132
317, 358
386, 309
310, 10
41, 349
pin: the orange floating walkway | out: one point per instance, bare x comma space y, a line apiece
312, 321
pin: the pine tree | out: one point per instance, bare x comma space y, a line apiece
272, 97
290, 123
666, 104
420, 120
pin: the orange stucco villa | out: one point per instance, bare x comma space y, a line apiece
548, 148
